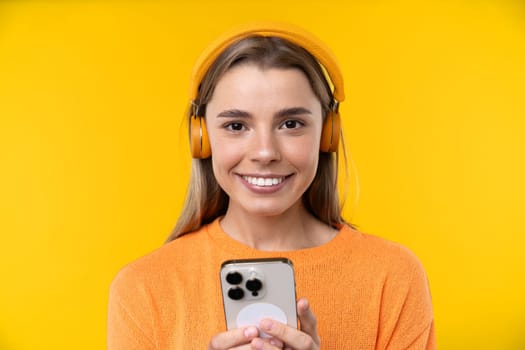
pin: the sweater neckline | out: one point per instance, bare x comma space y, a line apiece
239, 250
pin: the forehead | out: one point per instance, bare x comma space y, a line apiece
250, 83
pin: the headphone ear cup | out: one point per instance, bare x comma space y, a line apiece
199, 140
331, 132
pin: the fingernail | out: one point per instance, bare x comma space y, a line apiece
258, 344
276, 342
266, 325
250, 332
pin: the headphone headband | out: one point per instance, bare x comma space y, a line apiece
288, 32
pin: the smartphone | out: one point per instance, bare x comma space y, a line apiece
253, 289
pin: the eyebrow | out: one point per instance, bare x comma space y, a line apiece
290, 112
285, 112
233, 113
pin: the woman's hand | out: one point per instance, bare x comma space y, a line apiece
305, 339
241, 338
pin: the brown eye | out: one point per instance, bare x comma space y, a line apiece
292, 124
235, 126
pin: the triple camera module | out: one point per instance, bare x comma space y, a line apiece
237, 292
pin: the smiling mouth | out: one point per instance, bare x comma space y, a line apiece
263, 181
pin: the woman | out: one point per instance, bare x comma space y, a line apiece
264, 131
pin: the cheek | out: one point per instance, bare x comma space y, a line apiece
304, 155
224, 156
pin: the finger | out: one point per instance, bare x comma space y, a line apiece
266, 344
275, 342
307, 318
232, 338
242, 347
292, 337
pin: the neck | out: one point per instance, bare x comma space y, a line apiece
296, 229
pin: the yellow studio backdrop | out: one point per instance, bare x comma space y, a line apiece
94, 161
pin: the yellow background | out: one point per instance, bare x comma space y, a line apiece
94, 161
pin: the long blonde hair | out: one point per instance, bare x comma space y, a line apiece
205, 200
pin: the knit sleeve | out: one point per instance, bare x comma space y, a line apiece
130, 324
407, 316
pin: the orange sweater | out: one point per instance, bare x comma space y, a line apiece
366, 292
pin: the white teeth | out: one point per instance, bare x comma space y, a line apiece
262, 181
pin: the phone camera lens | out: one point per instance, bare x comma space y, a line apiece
236, 293
234, 278
254, 285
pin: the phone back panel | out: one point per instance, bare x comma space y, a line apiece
258, 288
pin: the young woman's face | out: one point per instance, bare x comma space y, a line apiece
265, 128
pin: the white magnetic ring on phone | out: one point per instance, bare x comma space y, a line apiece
252, 315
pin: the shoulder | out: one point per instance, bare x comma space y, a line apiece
167, 260
399, 286
394, 270
383, 256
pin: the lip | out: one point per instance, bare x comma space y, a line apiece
264, 189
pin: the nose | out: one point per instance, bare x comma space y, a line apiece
264, 147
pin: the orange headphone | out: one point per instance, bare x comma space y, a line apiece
200, 143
